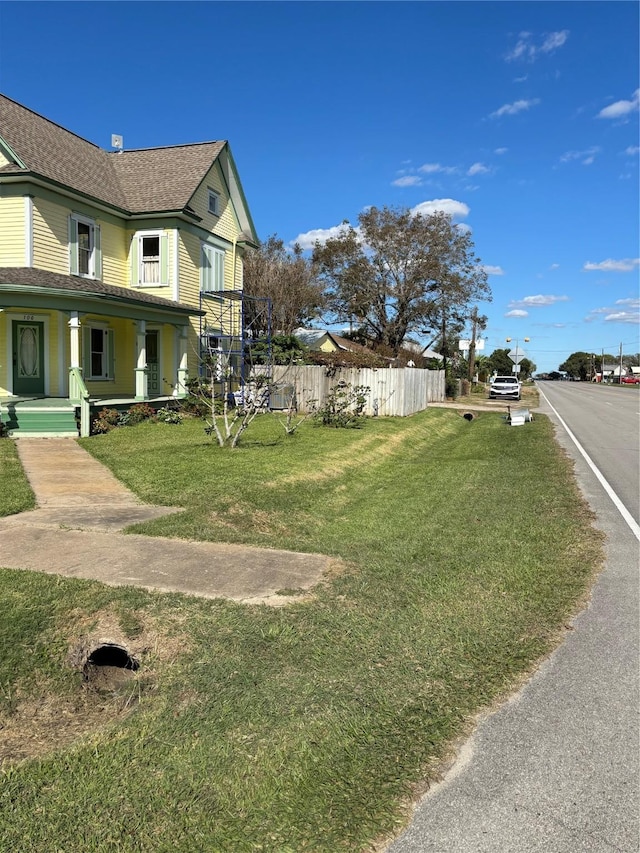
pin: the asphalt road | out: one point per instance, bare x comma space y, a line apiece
556, 768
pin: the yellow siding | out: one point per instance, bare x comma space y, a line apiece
226, 225
12, 234
3, 160
114, 244
50, 236
189, 261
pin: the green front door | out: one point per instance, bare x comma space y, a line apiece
153, 363
28, 358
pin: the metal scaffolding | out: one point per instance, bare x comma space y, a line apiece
236, 323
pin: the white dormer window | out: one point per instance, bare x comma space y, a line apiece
214, 202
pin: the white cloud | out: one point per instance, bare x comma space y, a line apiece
527, 49
611, 265
514, 108
434, 168
586, 157
407, 181
621, 108
623, 317
492, 270
500, 150
477, 169
632, 150
632, 302
554, 266
447, 205
554, 40
320, 235
308, 239
517, 312
538, 301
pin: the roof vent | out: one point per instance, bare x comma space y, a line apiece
116, 141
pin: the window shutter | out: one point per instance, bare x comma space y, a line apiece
73, 246
219, 272
164, 259
135, 272
97, 252
111, 353
205, 284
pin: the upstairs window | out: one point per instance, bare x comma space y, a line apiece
214, 202
212, 269
149, 259
84, 247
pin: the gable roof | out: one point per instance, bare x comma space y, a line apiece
150, 180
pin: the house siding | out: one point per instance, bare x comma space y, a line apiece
50, 236
226, 224
12, 232
114, 246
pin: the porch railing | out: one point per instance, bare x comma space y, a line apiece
79, 395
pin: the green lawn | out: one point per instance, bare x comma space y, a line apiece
15, 494
461, 550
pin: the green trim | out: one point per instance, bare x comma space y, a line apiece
110, 306
10, 153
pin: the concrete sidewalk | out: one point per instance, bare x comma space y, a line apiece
75, 532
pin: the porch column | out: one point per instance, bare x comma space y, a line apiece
74, 334
76, 388
141, 363
183, 373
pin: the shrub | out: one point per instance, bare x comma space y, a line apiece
136, 414
168, 416
105, 421
343, 407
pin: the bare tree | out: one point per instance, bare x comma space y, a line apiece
288, 280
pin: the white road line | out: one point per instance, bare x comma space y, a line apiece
624, 512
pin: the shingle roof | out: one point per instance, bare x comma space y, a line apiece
143, 181
32, 277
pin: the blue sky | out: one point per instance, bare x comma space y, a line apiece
519, 118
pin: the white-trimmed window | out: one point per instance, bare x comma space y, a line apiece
85, 258
150, 258
212, 269
214, 201
98, 352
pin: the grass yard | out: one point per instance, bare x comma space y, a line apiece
15, 494
464, 547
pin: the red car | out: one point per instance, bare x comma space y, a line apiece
630, 380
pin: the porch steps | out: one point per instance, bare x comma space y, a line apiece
36, 422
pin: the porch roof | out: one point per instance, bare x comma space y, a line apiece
29, 287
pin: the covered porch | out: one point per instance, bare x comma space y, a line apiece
71, 346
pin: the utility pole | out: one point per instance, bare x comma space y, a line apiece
472, 345
620, 377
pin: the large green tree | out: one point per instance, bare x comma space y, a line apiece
398, 272
283, 288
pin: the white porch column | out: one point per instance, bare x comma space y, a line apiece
74, 336
183, 373
141, 362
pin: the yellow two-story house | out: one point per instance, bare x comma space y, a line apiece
117, 268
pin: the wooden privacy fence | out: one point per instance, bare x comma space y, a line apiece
393, 391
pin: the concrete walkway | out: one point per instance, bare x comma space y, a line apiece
76, 532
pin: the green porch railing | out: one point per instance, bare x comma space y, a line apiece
79, 395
